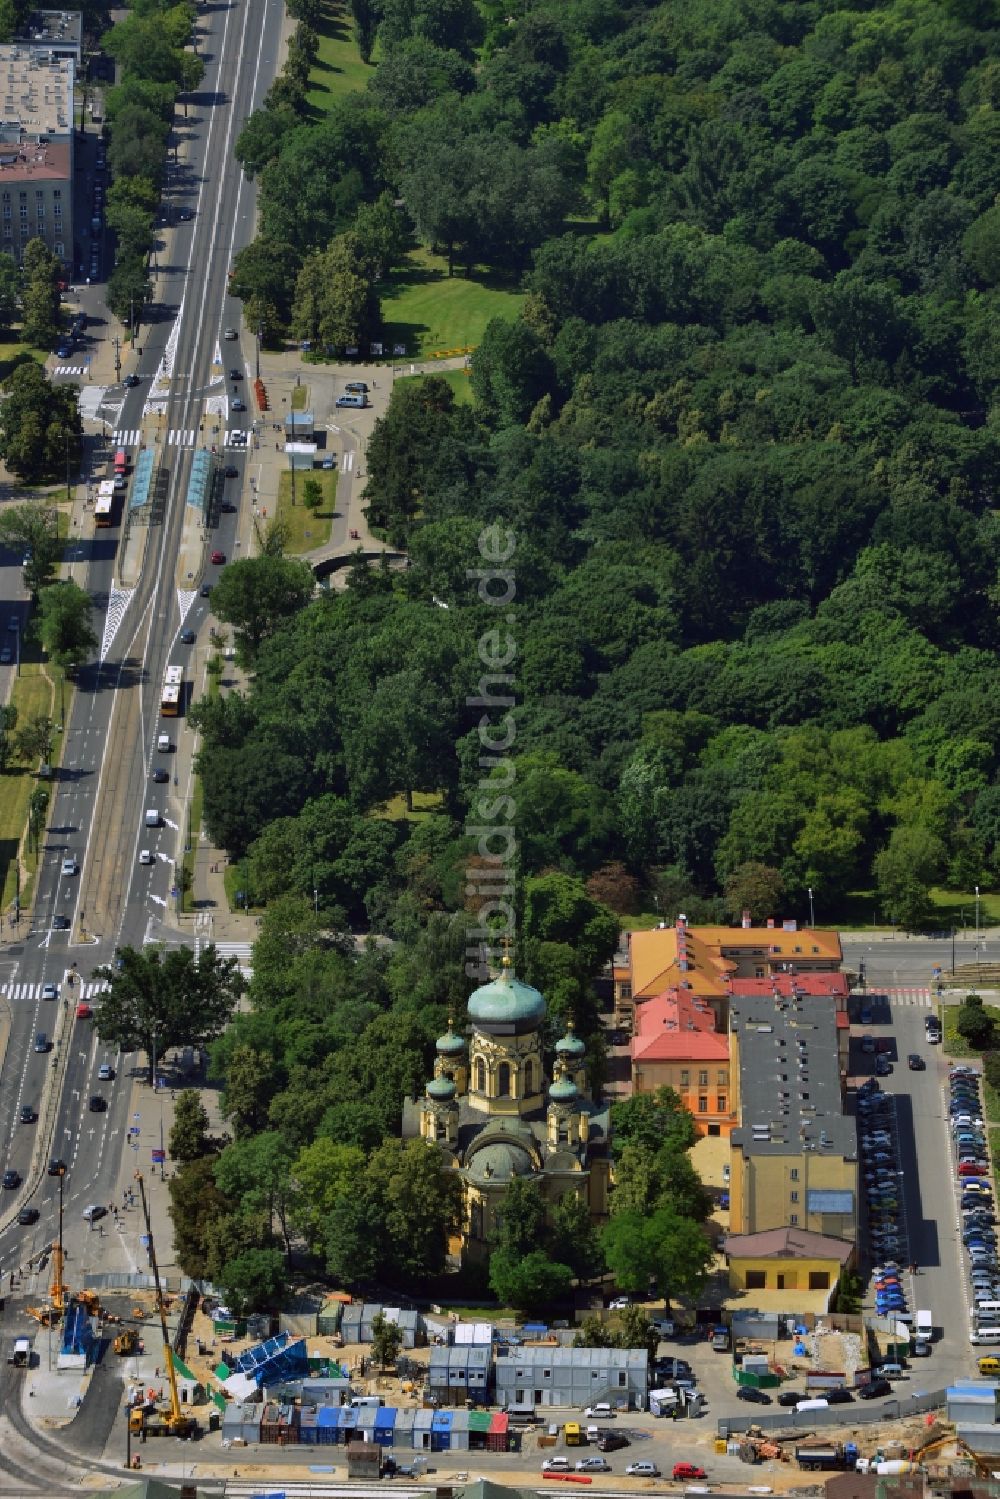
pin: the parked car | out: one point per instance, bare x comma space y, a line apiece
644, 1469
755, 1396
592, 1465
839, 1397
687, 1470
790, 1397
557, 1465
915, 1062
874, 1389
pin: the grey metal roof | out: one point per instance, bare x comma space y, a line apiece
790, 1078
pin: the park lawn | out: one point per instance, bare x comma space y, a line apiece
457, 379
14, 353
395, 810
307, 529
338, 69
955, 1045
33, 692
436, 315
991, 1102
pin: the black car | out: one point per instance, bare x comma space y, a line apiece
11, 1179
206, 589
915, 1062
27, 1216
875, 1388
57, 1167
228, 508
236, 374
161, 776
839, 1397
883, 1067
611, 1441
231, 471
790, 1397
97, 1104
188, 637
27, 1114
755, 1396
131, 381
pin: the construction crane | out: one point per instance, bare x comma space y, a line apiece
146, 1420
50, 1315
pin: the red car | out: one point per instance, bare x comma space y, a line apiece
973, 1168
218, 558
689, 1470
83, 1012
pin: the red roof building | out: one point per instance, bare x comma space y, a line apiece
676, 1044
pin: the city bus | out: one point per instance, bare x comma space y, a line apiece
105, 503
173, 687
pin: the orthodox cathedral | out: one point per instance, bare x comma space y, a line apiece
494, 1115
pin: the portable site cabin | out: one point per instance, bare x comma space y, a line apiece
441, 1431
328, 1426
335, 1391
350, 1323
347, 1423
460, 1373
385, 1423
423, 1420
364, 1431
402, 1431
241, 1421
460, 1430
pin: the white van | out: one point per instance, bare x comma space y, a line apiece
813, 1405
163, 743
152, 818
367, 1402
988, 1311
985, 1335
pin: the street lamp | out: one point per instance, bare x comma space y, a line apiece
812, 913
315, 901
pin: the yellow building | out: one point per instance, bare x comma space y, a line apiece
793, 1161
676, 1045
787, 1259
494, 1116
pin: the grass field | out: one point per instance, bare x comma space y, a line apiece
457, 379
424, 803
338, 68
33, 692
307, 529
433, 313
300, 398
14, 353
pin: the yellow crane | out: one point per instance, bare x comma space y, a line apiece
50, 1315
160, 1420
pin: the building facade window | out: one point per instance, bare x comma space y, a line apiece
480, 1071
703, 1079
685, 1079
702, 1103
720, 1103
503, 1080
794, 1173
529, 1076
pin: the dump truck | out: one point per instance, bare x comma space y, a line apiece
126, 1342
830, 1455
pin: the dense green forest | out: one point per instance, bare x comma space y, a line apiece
744, 437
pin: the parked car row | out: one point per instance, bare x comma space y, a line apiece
979, 1239
879, 1152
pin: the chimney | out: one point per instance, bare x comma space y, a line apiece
745, 922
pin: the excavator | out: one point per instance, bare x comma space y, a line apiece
150, 1419
51, 1314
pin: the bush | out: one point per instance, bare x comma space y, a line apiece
975, 1025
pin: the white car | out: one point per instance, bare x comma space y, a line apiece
619, 1304
94, 1211
556, 1465
105, 1072
644, 1469
592, 1465
145, 857
69, 866
50, 991
599, 1412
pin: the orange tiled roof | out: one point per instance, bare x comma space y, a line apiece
806, 942
656, 964
787, 984
674, 1026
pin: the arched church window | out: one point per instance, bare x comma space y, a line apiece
529, 1076
480, 1075
503, 1080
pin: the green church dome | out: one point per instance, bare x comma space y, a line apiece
506, 1005
570, 1045
441, 1089
451, 1043
564, 1090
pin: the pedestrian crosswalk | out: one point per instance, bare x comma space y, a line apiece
70, 369
16, 992
180, 437
909, 996
241, 951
